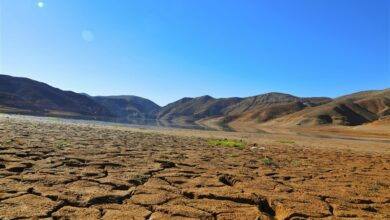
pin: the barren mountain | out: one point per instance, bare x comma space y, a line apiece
271, 105
354, 109
256, 108
129, 106
192, 109
25, 95
22, 95
253, 102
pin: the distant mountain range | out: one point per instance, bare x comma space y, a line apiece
131, 107
260, 108
26, 96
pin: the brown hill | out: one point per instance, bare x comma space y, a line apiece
25, 95
269, 111
253, 102
271, 105
193, 109
213, 112
354, 109
129, 106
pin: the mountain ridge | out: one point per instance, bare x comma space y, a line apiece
40, 98
26, 96
129, 106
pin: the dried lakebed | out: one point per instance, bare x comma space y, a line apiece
50, 170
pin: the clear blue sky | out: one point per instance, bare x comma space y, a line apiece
167, 49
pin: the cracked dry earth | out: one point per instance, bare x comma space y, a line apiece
50, 170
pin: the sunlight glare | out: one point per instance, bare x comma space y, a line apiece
41, 4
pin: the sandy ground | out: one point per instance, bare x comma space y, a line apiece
54, 170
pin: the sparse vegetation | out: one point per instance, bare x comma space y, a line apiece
62, 144
226, 143
232, 155
9, 141
286, 142
267, 161
374, 188
296, 163
377, 186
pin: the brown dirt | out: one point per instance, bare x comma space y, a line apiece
53, 170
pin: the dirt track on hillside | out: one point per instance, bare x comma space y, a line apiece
62, 171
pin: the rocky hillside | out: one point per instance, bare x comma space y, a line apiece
256, 108
25, 95
354, 109
193, 109
265, 107
129, 106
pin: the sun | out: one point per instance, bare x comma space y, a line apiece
41, 4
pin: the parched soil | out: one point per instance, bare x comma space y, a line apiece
52, 170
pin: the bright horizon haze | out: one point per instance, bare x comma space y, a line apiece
166, 50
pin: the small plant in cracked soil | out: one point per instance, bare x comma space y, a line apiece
377, 186
286, 142
13, 142
226, 143
9, 141
62, 144
296, 163
267, 161
374, 188
232, 155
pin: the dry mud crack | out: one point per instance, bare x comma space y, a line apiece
64, 171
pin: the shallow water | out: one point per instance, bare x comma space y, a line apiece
132, 123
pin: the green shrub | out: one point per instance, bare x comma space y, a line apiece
267, 161
296, 163
62, 144
9, 141
226, 143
